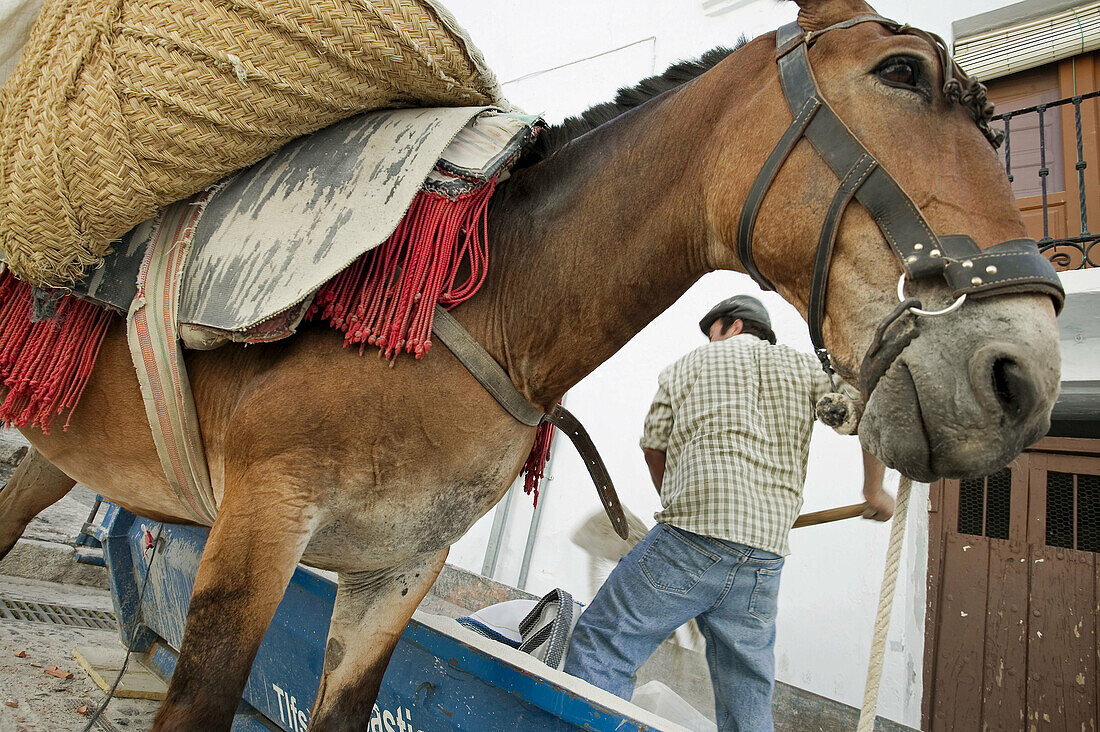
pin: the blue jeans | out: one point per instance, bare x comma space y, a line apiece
670, 577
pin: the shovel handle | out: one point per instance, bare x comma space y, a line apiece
830, 514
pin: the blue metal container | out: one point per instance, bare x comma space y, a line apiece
438, 679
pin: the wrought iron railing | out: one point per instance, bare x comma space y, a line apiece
1069, 252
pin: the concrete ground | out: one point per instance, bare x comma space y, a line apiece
31, 699
44, 702
46, 550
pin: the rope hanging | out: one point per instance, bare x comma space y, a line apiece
534, 469
885, 607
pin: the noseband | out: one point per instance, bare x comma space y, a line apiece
1013, 266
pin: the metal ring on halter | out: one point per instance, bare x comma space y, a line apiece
917, 311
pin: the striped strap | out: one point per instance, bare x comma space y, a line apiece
151, 329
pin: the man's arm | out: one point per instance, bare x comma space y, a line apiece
655, 459
880, 505
658, 427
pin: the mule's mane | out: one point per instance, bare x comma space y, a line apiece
552, 139
958, 88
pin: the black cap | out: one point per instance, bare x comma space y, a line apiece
742, 307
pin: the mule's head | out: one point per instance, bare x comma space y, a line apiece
975, 386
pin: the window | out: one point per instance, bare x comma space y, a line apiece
1073, 511
984, 505
1019, 91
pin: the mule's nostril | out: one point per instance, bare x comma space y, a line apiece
1012, 387
1005, 382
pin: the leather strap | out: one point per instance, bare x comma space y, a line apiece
151, 329
893, 210
854, 21
820, 281
1010, 267
921, 252
484, 367
564, 420
495, 379
747, 222
786, 42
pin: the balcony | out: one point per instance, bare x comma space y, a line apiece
1055, 208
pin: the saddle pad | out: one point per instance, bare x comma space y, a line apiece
273, 234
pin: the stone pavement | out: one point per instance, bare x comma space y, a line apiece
46, 703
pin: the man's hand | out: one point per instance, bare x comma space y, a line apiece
880, 505
655, 460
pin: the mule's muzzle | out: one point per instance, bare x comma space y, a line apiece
892, 427
946, 411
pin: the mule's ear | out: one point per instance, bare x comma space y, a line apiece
817, 14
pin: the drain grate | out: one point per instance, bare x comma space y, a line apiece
41, 612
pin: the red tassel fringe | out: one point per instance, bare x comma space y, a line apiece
387, 297
535, 468
45, 365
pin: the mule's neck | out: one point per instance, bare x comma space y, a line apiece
590, 245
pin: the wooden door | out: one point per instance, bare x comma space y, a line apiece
1014, 598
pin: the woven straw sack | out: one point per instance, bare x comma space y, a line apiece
119, 107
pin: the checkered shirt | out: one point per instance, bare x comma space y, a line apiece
734, 419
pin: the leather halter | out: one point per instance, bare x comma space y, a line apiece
1009, 267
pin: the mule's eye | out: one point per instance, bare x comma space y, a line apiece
898, 72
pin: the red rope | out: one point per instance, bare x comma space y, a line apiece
46, 365
388, 296
535, 468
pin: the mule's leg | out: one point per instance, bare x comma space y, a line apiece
371, 611
34, 486
253, 549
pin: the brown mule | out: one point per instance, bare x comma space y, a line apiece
318, 454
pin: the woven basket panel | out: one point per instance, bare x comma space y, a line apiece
120, 107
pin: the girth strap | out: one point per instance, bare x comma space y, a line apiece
493, 377
484, 368
565, 421
152, 333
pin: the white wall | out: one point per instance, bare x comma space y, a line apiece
1079, 326
557, 59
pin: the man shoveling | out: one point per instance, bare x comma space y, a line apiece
726, 441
